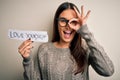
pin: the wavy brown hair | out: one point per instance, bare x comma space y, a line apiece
77, 51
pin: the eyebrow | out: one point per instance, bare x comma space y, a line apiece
62, 18
66, 18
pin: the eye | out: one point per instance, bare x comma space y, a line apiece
62, 21
74, 23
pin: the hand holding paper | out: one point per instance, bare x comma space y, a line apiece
25, 48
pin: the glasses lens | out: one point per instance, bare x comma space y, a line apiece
73, 23
62, 22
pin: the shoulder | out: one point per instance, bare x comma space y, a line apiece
43, 49
44, 46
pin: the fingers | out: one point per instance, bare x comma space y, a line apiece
73, 19
82, 11
74, 24
81, 16
88, 14
26, 53
25, 48
25, 44
78, 14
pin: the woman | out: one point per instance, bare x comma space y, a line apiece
72, 50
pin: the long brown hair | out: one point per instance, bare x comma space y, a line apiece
77, 51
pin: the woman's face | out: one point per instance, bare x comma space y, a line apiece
65, 32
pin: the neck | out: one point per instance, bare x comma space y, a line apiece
62, 44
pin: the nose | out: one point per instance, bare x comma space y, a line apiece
67, 27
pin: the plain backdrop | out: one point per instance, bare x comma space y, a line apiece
37, 15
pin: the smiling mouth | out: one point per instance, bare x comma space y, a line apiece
67, 34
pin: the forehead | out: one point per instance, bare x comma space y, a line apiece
68, 14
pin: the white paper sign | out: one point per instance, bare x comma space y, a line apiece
39, 36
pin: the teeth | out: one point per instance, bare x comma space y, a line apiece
68, 32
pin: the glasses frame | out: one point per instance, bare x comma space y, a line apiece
66, 21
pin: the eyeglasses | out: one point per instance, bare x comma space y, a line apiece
64, 22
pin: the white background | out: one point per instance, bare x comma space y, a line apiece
38, 15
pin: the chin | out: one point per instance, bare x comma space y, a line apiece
67, 40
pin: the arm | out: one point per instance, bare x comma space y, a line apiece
36, 70
97, 56
31, 69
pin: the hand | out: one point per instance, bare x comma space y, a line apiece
25, 48
82, 18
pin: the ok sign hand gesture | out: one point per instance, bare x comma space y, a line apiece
82, 18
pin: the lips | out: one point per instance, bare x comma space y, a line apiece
67, 34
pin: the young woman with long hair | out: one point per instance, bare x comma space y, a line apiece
71, 51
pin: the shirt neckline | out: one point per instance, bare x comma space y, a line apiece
65, 49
